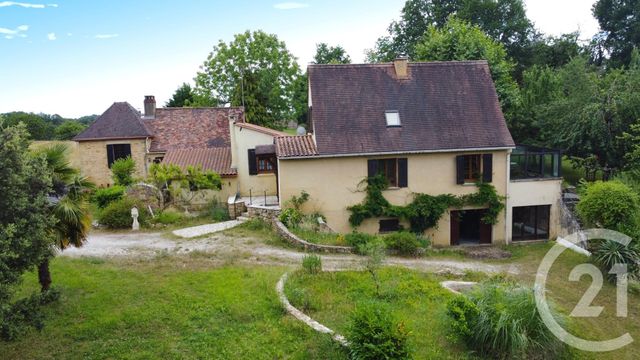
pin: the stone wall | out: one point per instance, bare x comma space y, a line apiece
93, 159
294, 240
236, 208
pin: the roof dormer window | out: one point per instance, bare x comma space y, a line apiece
393, 118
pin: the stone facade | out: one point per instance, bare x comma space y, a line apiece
94, 163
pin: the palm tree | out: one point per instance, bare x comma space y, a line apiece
70, 206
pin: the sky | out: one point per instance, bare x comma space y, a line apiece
77, 57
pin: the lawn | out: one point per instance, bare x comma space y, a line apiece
317, 237
169, 307
418, 298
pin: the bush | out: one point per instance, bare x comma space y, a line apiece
374, 333
406, 243
358, 239
312, 264
117, 215
610, 205
502, 321
105, 196
291, 217
169, 217
219, 214
17, 318
609, 253
122, 171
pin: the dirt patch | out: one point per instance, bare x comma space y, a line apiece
486, 252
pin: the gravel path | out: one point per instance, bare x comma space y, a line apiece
196, 231
251, 250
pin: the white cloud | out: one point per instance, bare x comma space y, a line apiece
51, 36
105, 36
290, 5
26, 5
11, 33
23, 28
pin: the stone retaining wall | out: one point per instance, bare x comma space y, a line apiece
294, 240
266, 213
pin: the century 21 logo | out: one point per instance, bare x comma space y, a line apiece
584, 307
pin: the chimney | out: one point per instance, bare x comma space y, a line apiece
149, 106
401, 66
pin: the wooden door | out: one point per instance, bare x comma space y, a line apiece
485, 232
455, 227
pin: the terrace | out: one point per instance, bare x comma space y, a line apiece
532, 162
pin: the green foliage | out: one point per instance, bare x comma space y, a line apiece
610, 205
69, 129
25, 216
502, 321
375, 252
425, 210
168, 217
183, 96
609, 253
105, 196
312, 264
24, 314
183, 186
235, 73
326, 54
218, 211
36, 126
374, 333
406, 243
163, 174
290, 217
297, 201
117, 215
202, 180
618, 24
122, 171
358, 240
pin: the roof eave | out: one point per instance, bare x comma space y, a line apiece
324, 156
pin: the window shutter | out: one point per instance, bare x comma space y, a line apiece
460, 169
372, 168
402, 173
487, 168
109, 155
253, 164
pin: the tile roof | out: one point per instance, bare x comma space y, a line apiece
261, 129
442, 106
119, 121
295, 146
188, 128
214, 159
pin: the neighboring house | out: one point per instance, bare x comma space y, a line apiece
216, 139
434, 128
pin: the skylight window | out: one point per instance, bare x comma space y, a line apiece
393, 118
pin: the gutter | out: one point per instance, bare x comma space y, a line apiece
396, 153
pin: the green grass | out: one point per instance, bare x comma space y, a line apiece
290, 131
317, 237
169, 308
415, 297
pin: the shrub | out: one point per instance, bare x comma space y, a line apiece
609, 253
17, 318
502, 321
406, 243
256, 224
291, 217
312, 264
611, 205
302, 300
358, 239
122, 171
169, 217
297, 201
375, 251
105, 196
117, 215
374, 333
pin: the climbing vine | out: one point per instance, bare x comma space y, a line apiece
425, 210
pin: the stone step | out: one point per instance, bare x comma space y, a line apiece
242, 218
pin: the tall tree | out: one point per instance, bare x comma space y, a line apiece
255, 70
37, 127
620, 24
183, 96
458, 40
24, 216
326, 54
68, 129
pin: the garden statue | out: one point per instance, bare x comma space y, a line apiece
134, 215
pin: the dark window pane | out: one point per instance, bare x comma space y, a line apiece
118, 151
389, 225
389, 168
530, 222
472, 168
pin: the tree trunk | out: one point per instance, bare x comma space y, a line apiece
44, 275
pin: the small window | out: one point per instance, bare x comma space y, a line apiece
472, 168
394, 170
116, 152
266, 164
531, 222
393, 118
389, 225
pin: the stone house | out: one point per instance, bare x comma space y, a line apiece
215, 138
434, 128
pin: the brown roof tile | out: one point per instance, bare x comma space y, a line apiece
214, 159
295, 146
119, 121
188, 128
442, 106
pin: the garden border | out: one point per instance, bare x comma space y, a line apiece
293, 239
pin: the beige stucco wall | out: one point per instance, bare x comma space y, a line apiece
333, 185
536, 192
93, 159
243, 139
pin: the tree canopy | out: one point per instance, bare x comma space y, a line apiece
620, 24
255, 70
183, 96
326, 54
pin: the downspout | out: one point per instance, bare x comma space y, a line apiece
507, 207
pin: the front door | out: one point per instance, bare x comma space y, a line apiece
467, 228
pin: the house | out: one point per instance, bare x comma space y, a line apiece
215, 138
433, 128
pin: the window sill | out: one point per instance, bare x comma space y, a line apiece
537, 179
265, 174
393, 188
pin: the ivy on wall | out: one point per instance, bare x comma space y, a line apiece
425, 210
